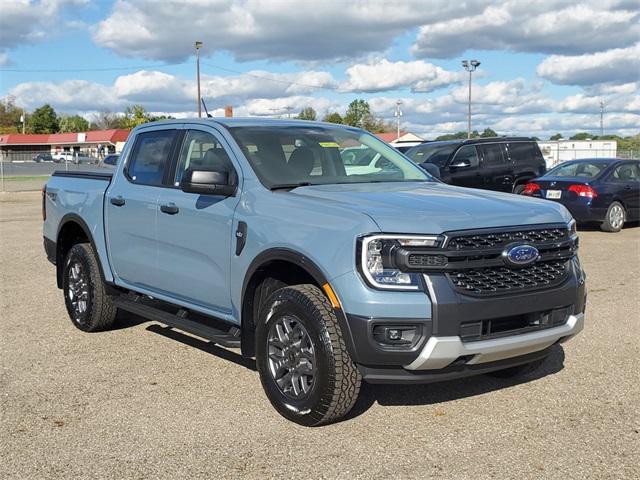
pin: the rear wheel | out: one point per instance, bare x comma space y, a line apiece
615, 218
518, 189
302, 359
88, 305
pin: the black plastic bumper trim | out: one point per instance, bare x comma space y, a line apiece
50, 249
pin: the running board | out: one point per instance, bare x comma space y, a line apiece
134, 304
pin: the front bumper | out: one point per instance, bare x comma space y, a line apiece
439, 352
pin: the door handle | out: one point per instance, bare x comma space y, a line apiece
117, 201
169, 209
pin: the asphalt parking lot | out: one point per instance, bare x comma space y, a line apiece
143, 401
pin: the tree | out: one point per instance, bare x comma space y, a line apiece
106, 120
134, 116
356, 113
582, 136
307, 113
461, 135
333, 117
43, 120
10, 116
488, 132
73, 124
557, 136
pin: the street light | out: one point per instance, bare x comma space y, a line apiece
198, 102
470, 66
398, 114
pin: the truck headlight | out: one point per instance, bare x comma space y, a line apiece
376, 259
573, 230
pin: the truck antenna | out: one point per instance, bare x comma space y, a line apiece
205, 108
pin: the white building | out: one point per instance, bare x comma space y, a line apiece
559, 151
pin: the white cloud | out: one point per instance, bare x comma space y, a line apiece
551, 26
618, 65
4, 59
383, 75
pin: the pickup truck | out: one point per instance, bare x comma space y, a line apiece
252, 234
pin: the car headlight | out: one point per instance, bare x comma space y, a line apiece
376, 259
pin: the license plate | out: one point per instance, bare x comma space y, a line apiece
554, 193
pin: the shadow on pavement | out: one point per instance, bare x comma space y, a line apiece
433, 393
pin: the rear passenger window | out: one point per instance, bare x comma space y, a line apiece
522, 152
150, 157
491, 154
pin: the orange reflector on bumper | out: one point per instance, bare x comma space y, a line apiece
332, 296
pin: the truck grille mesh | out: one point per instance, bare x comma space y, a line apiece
501, 280
496, 240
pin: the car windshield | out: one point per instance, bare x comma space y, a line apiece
289, 156
436, 154
578, 169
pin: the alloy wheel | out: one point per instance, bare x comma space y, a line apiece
78, 290
616, 217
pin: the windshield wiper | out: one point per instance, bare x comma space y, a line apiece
289, 186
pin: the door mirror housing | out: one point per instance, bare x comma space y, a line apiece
431, 169
207, 182
460, 164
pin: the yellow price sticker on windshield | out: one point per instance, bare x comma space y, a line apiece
329, 144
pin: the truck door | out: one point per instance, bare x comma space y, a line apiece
497, 170
195, 231
131, 209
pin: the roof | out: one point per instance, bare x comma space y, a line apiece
95, 136
482, 140
390, 137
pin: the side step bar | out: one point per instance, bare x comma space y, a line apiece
134, 304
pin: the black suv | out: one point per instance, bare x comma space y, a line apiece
504, 164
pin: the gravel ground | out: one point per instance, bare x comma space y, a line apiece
143, 401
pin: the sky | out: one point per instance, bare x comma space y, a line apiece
546, 65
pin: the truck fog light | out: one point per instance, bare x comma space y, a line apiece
396, 335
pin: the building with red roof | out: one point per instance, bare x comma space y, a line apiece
19, 146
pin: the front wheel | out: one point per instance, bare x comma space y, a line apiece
88, 305
302, 359
615, 218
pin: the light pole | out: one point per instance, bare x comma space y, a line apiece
601, 117
398, 114
470, 66
198, 47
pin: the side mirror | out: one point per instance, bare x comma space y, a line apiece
207, 182
460, 164
431, 169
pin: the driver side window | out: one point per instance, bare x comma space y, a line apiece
468, 154
201, 151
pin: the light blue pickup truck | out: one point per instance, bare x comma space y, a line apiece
255, 234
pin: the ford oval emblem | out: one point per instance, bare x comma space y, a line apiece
520, 255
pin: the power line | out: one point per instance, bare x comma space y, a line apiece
102, 69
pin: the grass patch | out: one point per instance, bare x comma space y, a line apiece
24, 178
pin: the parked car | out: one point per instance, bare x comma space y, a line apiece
503, 164
111, 160
362, 160
594, 190
61, 157
42, 157
80, 158
263, 240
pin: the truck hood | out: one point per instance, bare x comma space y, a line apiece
429, 207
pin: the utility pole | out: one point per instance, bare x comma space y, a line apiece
288, 109
198, 102
601, 117
470, 66
398, 114
23, 119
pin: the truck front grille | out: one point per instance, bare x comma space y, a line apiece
499, 239
503, 280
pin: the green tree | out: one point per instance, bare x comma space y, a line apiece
582, 136
461, 135
557, 136
357, 111
43, 120
307, 113
10, 116
488, 132
73, 124
333, 117
134, 116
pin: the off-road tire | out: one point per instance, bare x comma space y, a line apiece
337, 380
100, 313
519, 370
607, 225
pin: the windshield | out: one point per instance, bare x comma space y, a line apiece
578, 169
436, 154
288, 156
